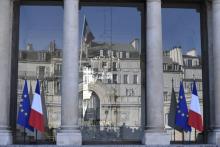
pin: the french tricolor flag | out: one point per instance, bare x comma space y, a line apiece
195, 116
36, 119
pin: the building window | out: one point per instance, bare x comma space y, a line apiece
127, 55
100, 72
125, 79
95, 70
40, 55
109, 53
101, 53
114, 54
41, 71
182, 44
164, 66
169, 68
165, 96
121, 55
117, 55
166, 119
135, 80
114, 66
113, 116
58, 88
104, 64
115, 78
190, 63
46, 86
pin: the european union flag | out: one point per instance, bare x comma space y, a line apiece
182, 111
24, 109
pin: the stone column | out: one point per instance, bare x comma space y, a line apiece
70, 133
154, 120
5, 61
214, 134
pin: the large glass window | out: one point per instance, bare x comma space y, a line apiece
181, 59
110, 104
109, 53
110, 73
40, 56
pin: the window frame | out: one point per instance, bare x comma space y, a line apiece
165, 3
202, 6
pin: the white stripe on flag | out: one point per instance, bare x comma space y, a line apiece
194, 106
36, 104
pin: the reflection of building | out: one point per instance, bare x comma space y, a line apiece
181, 67
116, 70
46, 65
110, 82
151, 30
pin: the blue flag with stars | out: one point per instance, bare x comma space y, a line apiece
182, 111
24, 109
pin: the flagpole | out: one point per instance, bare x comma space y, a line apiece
80, 60
195, 136
36, 129
25, 78
191, 92
189, 137
174, 127
36, 136
183, 137
24, 135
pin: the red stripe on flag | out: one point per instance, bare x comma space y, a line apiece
195, 120
36, 120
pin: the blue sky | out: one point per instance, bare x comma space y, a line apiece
124, 28
41, 24
181, 27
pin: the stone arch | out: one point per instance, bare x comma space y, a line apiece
102, 92
100, 89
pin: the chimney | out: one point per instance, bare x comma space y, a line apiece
52, 46
29, 47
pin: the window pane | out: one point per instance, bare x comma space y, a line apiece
110, 104
125, 79
181, 57
135, 80
40, 56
